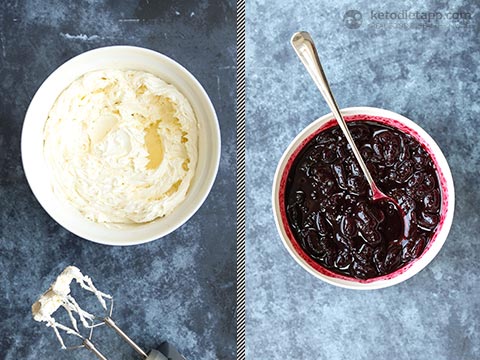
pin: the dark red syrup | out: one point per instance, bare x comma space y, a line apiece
329, 204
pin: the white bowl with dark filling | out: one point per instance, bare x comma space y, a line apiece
325, 230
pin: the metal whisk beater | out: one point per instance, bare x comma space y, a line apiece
58, 295
168, 352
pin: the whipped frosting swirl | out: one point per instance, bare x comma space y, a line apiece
121, 146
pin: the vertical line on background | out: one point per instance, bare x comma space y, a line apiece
241, 179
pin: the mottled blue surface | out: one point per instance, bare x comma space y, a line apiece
427, 72
180, 288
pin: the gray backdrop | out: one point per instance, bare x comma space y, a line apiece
180, 288
425, 71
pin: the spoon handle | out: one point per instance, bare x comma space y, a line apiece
305, 48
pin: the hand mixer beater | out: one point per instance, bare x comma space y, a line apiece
59, 296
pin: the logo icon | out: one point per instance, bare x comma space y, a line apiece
352, 19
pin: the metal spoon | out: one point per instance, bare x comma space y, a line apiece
305, 48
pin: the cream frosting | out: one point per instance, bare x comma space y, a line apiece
58, 295
121, 146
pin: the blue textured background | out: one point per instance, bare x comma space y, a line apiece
427, 73
180, 288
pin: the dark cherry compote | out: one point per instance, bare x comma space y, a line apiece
330, 209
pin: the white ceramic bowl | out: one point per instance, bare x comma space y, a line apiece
120, 57
446, 182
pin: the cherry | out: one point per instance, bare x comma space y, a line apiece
349, 226
432, 201
340, 175
404, 170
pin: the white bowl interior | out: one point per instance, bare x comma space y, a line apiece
120, 57
399, 275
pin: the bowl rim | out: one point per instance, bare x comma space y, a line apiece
201, 94
403, 273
